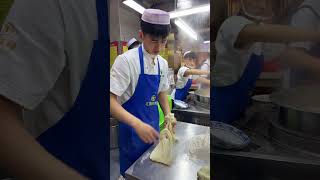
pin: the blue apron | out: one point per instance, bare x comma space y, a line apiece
80, 138
229, 102
144, 105
181, 94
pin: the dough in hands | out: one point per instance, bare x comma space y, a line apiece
170, 128
170, 121
204, 173
163, 151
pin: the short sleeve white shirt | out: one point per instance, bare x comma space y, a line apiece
306, 17
125, 73
205, 67
181, 80
45, 48
230, 61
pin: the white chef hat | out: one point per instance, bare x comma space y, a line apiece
204, 47
131, 41
186, 53
156, 16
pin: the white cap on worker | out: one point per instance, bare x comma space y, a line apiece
186, 53
204, 47
156, 16
131, 41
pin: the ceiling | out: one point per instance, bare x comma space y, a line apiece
200, 23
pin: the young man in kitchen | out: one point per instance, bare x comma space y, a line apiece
203, 58
138, 81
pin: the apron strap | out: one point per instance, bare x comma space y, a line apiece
141, 60
158, 67
103, 25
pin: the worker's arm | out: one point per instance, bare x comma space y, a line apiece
195, 72
252, 33
21, 155
299, 58
203, 80
145, 131
163, 100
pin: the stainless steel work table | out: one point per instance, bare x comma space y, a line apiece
183, 167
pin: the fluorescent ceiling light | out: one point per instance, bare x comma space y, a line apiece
206, 42
184, 27
137, 7
173, 14
186, 12
184, 4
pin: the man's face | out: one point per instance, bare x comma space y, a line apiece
153, 45
190, 63
258, 7
201, 57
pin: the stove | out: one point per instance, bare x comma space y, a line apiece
274, 153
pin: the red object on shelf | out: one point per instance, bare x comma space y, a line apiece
271, 66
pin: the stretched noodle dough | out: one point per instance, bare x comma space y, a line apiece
199, 147
163, 151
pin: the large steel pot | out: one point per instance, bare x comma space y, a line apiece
299, 109
114, 128
202, 98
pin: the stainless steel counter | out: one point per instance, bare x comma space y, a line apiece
183, 167
194, 109
114, 164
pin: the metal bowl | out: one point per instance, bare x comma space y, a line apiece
202, 96
202, 99
225, 136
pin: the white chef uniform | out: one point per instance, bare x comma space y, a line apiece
126, 70
42, 67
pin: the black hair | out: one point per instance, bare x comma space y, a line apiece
190, 55
155, 30
133, 45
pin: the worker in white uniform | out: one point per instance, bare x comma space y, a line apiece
138, 82
240, 56
133, 43
184, 76
305, 16
53, 83
203, 58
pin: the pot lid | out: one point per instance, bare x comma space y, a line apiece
303, 98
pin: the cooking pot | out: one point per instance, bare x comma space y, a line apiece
299, 109
201, 97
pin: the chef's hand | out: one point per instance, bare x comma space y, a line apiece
173, 123
146, 133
